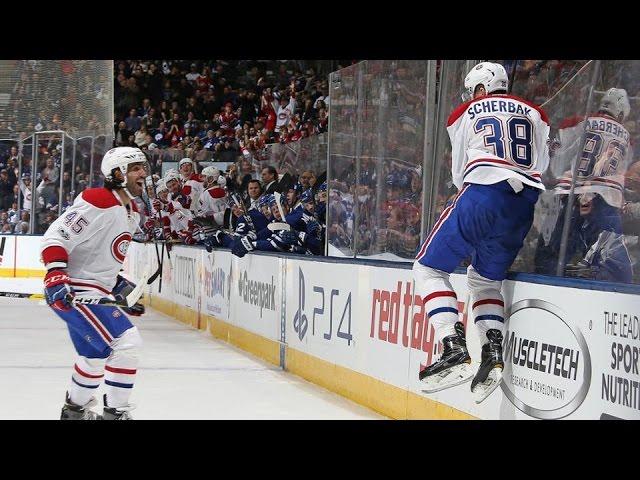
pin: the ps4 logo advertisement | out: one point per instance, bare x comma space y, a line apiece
547, 365
300, 322
317, 312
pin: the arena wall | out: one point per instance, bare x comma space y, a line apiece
357, 328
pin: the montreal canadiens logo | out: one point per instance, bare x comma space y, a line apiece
120, 245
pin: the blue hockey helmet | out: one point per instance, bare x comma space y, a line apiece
307, 196
264, 201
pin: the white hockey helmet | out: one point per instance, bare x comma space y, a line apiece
492, 75
211, 171
172, 174
615, 102
186, 160
161, 186
121, 158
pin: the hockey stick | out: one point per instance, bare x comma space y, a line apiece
161, 257
278, 195
2, 248
512, 76
129, 301
149, 180
567, 83
278, 226
21, 295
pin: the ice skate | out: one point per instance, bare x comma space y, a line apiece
489, 375
452, 368
117, 413
71, 411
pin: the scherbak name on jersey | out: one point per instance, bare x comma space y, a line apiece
607, 126
492, 106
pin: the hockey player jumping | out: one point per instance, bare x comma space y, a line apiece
499, 150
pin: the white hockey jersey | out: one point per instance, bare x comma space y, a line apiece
213, 203
285, 113
497, 137
192, 189
91, 238
176, 218
605, 155
26, 194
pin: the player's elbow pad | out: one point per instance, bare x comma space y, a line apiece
55, 257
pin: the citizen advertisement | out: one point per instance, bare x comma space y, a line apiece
186, 267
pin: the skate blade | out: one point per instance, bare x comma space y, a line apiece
454, 376
484, 389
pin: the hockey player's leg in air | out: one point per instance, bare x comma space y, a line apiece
499, 150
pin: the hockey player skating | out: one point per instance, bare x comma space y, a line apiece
83, 252
499, 150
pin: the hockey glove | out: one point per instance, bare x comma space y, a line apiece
298, 249
123, 288
136, 310
287, 237
242, 247
157, 204
57, 290
148, 225
214, 240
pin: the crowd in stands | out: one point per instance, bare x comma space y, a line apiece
45, 95
234, 112
218, 110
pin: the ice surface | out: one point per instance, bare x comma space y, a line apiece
183, 373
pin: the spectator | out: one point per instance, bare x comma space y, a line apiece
47, 187
133, 121
6, 189
122, 135
193, 74
270, 180
151, 120
21, 228
254, 192
286, 109
140, 137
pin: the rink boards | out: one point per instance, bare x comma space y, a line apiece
21, 256
360, 331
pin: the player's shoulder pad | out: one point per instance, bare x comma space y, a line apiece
570, 122
216, 192
457, 113
100, 197
543, 114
